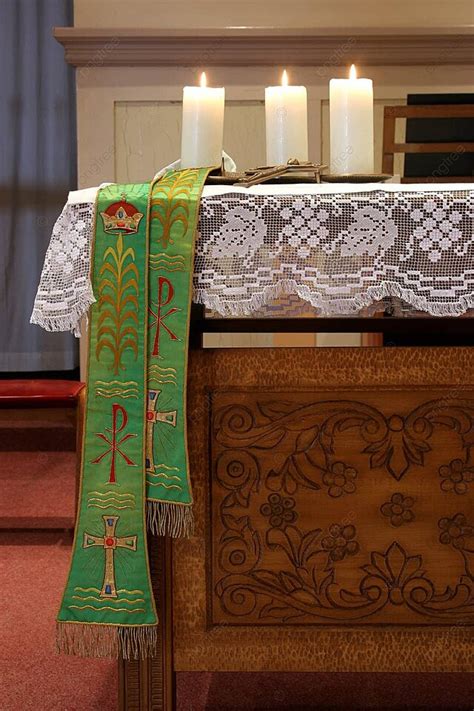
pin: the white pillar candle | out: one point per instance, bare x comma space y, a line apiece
286, 116
202, 132
351, 115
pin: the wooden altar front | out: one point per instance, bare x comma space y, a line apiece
334, 518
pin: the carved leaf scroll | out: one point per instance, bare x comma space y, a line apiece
285, 462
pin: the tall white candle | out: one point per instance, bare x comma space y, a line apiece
286, 116
203, 125
351, 114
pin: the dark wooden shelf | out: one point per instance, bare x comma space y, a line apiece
428, 327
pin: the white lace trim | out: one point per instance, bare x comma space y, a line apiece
343, 307
65, 291
71, 322
339, 252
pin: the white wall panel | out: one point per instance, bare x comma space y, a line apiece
148, 135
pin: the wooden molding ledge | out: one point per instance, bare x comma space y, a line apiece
86, 47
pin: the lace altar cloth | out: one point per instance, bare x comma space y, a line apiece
339, 248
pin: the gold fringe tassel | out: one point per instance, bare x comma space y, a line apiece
97, 640
163, 519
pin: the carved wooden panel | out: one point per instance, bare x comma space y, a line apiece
346, 507
391, 381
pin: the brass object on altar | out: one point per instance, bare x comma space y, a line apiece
221, 176
294, 171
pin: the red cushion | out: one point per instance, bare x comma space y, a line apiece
39, 393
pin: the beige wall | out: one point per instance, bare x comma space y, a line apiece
129, 119
273, 13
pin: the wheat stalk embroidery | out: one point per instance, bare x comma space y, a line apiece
170, 202
118, 304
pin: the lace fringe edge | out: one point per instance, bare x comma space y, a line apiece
175, 520
68, 322
97, 640
349, 306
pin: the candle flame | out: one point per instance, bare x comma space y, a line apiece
352, 72
203, 80
284, 78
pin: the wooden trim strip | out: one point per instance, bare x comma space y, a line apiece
439, 179
422, 326
388, 140
451, 147
431, 111
87, 47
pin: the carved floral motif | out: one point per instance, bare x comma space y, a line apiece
279, 510
399, 509
279, 465
340, 479
456, 476
308, 433
340, 542
308, 586
456, 532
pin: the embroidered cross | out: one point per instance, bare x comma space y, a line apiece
110, 542
114, 442
154, 415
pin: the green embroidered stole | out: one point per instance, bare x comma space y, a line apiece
173, 220
135, 470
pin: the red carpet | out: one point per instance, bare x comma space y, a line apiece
37, 485
33, 569
41, 487
37, 472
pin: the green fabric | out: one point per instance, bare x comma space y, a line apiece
135, 424
174, 214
